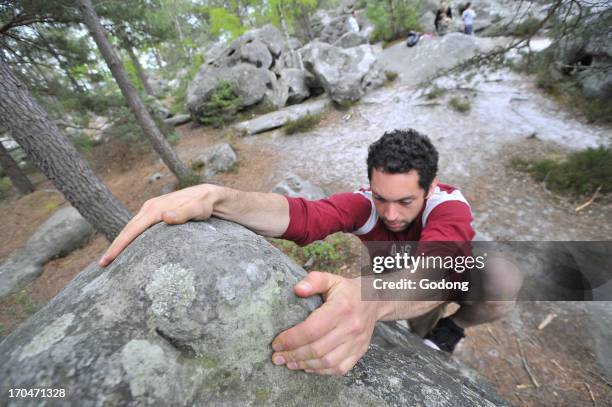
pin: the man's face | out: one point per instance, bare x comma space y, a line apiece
398, 198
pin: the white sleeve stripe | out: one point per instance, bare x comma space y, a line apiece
371, 222
439, 197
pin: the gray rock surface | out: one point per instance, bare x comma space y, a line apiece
219, 158
185, 316
295, 186
297, 88
178, 119
345, 73
350, 39
63, 232
587, 54
281, 117
419, 63
248, 64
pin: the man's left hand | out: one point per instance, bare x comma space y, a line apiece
333, 337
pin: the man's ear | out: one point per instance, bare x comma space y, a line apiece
432, 188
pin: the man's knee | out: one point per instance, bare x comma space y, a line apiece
502, 281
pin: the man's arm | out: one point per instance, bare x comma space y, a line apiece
265, 213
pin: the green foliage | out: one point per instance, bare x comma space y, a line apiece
82, 142
581, 172
189, 181
528, 27
393, 19
302, 124
224, 23
434, 93
222, 106
461, 105
391, 75
325, 255
28, 305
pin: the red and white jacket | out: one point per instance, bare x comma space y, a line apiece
446, 216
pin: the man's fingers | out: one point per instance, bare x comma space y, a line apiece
343, 368
316, 282
314, 350
327, 361
319, 322
181, 214
133, 229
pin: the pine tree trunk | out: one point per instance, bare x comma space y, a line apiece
142, 76
149, 128
54, 155
18, 178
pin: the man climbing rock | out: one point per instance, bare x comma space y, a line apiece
405, 202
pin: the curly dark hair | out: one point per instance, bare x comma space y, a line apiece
399, 151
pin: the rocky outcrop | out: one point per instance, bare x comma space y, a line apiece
219, 158
345, 73
295, 186
185, 316
248, 64
586, 53
63, 232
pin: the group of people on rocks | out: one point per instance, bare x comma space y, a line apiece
444, 18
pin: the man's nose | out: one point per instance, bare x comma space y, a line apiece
391, 213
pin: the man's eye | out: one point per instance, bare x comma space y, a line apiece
406, 203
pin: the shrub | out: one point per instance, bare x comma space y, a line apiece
459, 104
391, 75
393, 19
434, 93
222, 106
326, 255
302, 124
528, 27
581, 172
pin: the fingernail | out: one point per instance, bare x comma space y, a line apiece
171, 215
102, 260
292, 365
277, 347
303, 285
309, 370
279, 360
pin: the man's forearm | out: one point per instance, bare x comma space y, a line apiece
266, 214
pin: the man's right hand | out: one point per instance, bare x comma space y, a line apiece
175, 208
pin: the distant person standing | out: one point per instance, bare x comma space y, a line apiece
468, 16
352, 23
444, 18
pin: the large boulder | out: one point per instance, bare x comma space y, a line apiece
185, 316
295, 186
586, 52
63, 232
350, 39
249, 65
297, 85
218, 158
345, 73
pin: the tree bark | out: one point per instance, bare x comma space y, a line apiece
54, 155
150, 129
18, 178
142, 76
